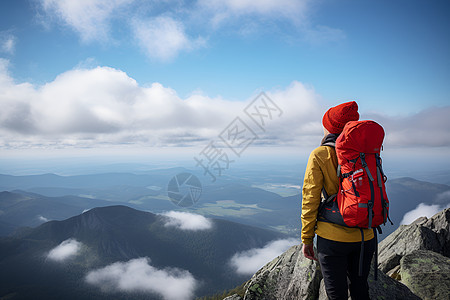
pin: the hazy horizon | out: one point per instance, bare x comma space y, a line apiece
432, 168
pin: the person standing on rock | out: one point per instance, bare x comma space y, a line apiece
338, 247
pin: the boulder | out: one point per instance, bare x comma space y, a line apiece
289, 276
427, 274
424, 234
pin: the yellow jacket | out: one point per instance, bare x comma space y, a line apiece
321, 172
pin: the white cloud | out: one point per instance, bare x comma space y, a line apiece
422, 210
187, 221
104, 107
248, 262
138, 275
67, 249
43, 219
163, 37
90, 18
300, 123
85, 108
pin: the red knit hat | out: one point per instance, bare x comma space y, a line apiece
335, 118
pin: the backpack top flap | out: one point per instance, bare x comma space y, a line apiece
359, 137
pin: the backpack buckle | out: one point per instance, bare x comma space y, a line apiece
356, 174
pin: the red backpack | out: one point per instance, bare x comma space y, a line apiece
361, 200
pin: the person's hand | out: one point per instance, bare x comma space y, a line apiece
308, 251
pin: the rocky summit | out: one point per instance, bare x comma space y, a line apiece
413, 263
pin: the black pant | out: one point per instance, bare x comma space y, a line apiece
340, 261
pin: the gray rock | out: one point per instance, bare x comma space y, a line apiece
387, 288
384, 288
427, 274
289, 276
423, 234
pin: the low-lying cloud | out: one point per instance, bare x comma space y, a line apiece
250, 261
42, 219
422, 210
67, 249
187, 221
137, 275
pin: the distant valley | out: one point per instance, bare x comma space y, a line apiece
31, 200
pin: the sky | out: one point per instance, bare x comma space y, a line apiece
175, 76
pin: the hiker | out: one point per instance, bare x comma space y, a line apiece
338, 247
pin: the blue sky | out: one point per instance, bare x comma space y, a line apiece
376, 50
175, 73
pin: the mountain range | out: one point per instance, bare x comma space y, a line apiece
114, 222
58, 259
51, 197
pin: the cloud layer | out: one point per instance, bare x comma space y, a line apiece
187, 221
138, 275
67, 249
424, 210
103, 106
90, 107
248, 262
